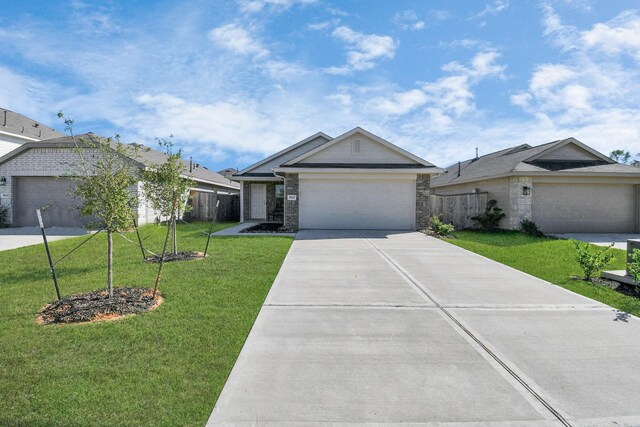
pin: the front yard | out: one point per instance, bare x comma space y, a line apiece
549, 259
165, 367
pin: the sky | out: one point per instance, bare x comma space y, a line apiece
234, 81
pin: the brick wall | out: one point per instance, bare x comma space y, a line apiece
423, 203
291, 207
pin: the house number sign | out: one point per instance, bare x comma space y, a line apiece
292, 197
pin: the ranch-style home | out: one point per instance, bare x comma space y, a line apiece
354, 181
563, 186
34, 176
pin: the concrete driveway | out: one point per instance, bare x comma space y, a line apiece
619, 240
374, 328
17, 237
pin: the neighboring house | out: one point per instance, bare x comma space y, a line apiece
228, 172
33, 176
16, 129
355, 181
563, 186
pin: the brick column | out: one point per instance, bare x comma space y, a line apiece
291, 207
423, 202
246, 200
519, 203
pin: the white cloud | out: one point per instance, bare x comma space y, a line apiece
238, 40
363, 50
492, 8
620, 35
254, 6
408, 20
449, 96
319, 26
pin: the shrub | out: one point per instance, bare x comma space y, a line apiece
531, 228
490, 219
440, 228
4, 215
592, 260
634, 268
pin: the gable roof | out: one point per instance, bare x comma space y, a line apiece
22, 126
145, 157
284, 154
524, 158
366, 133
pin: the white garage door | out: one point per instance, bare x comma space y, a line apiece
357, 204
584, 208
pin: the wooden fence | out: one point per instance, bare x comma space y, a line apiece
204, 207
459, 209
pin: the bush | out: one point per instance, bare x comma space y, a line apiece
530, 228
591, 260
490, 219
440, 228
4, 216
634, 268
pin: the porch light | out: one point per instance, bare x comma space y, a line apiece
3, 180
526, 191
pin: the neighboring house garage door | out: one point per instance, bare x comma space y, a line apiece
584, 208
49, 194
357, 204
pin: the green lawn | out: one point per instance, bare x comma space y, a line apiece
548, 259
163, 368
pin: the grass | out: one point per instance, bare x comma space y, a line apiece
549, 259
163, 368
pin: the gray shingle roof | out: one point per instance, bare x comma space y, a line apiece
513, 160
18, 124
145, 155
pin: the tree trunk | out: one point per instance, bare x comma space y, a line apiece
175, 237
164, 252
110, 263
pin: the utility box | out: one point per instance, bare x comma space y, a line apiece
632, 244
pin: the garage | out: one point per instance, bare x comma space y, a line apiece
49, 194
584, 208
351, 203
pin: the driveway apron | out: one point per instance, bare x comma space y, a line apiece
384, 328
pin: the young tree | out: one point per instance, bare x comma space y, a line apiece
105, 173
167, 188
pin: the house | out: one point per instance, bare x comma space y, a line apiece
32, 177
16, 129
563, 186
354, 181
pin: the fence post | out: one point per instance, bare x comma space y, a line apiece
46, 246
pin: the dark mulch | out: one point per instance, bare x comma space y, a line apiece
623, 288
180, 256
267, 227
97, 305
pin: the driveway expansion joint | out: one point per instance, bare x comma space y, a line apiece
420, 288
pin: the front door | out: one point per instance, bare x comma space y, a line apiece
258, 201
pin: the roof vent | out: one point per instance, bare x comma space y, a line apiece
356, 146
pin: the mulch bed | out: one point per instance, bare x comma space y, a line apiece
267, 227
623, 288
96, 305
180, 256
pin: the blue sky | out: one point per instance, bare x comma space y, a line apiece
234, 81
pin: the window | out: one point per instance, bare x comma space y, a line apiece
279, 191
356, 146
